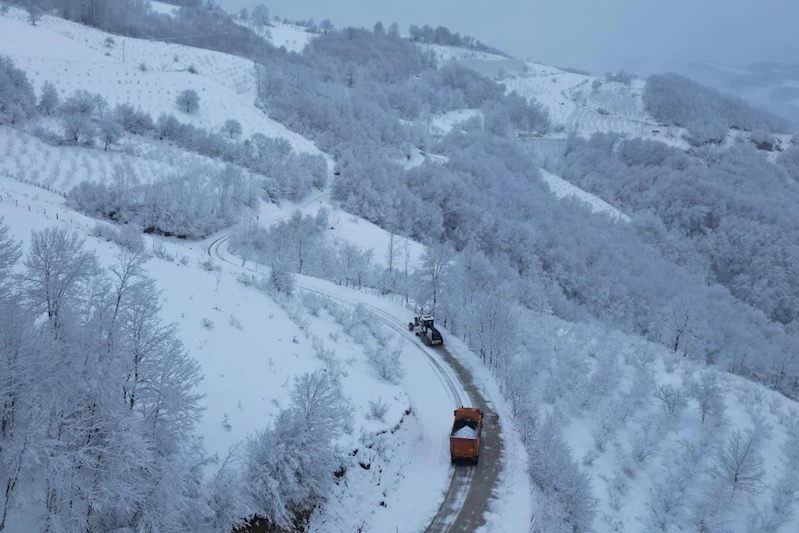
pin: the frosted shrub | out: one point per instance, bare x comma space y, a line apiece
672, 398
387, 363
233, 321
102, 230
282, 280
313, 302
130, 237
208, 323
643, 444
161, 252
378, 410
208, 265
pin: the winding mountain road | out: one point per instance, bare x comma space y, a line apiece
470, 488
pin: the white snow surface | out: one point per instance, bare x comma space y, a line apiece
443, 123
163, 8
465, 433
290, 36
563, 189
293, 38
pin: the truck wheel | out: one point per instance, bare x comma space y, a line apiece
476, 459
410, 326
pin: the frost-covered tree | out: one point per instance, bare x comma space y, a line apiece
49, 100
232, 127
706, 112
739, 461
17, 99
188, 100
434, 263
97, 397
326, 26
260, 15
58, 268
133, 120
10, 254
78, 128
81, 103
289, 465
109, 132
708, 395
34, 13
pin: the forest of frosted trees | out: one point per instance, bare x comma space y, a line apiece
706, 113
707, 268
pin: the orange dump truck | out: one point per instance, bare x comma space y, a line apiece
464, 441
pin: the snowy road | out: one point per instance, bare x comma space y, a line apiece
469, 490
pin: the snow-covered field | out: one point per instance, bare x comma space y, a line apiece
28, 159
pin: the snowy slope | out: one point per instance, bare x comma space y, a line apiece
574, 105
250, 348
225, 83
443, 123
347, 228
28, 159
293, 38
290, 36
163, 8
563, 189
622, 434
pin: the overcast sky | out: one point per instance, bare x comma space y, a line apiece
592, 34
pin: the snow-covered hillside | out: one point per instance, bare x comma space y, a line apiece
146, 74
250, 348
563, 189
289, 36
606, 405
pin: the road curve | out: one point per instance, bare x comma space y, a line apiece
471, 488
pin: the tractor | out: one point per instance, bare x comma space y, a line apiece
427, 331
